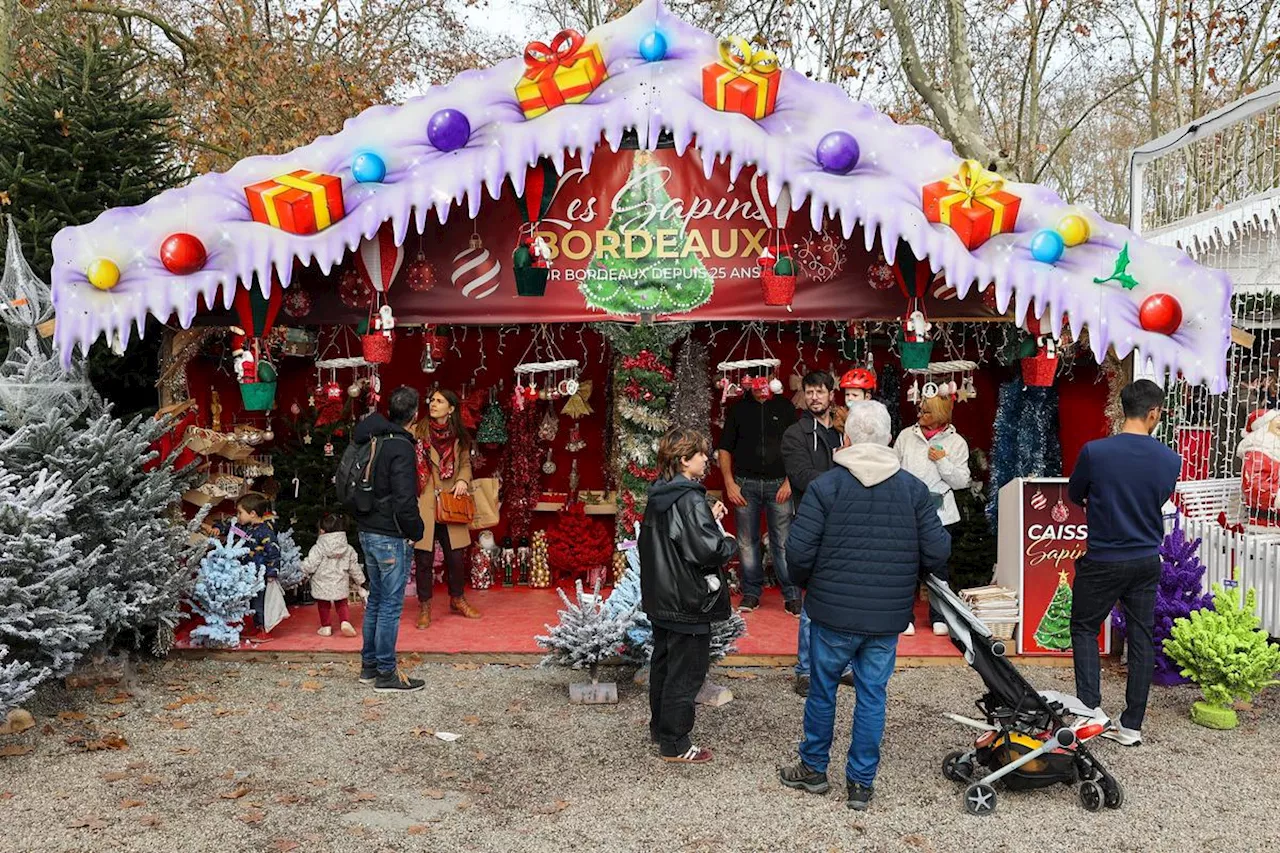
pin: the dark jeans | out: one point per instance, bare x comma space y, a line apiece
676, 672
872, 658
455, 567
761, 496
1097, 588
260, 609
386, 562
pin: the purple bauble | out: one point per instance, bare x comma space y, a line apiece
448, 130
838, 152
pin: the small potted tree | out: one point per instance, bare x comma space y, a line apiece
1226, 654
587, 635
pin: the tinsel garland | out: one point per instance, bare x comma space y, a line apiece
1026, 442
691, 402
523, 472
644, 415
636, 448
1114, 373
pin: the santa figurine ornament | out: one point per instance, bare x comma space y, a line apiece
385, 321
1259, 454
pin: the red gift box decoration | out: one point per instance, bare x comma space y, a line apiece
564, 72
973, 203
300, 202
743, 81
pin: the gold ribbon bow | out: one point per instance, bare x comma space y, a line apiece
542, 60
737, 54
974, 181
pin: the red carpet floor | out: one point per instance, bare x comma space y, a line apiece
512, 617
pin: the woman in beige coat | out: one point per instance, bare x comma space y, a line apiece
444, 464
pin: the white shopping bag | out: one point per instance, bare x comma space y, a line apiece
274, 607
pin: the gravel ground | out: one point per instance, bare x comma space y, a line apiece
275, 756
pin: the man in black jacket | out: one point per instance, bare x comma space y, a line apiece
683, 550
807, 446
387, 534
865, 531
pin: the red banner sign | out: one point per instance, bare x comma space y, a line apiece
1054, 536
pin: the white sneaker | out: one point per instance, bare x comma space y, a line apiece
910, 632
348, 630
1123, 736
1097, 715
326, 631
940, 629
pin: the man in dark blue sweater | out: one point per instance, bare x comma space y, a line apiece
1123, 482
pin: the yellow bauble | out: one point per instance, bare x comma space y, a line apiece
103, 274
1074, 229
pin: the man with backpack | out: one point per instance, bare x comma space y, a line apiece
378, 480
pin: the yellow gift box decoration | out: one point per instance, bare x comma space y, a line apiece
743, 81
563, 72
973, 202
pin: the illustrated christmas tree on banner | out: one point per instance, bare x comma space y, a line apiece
647, 272
1055, 626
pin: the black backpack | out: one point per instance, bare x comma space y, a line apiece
354, 479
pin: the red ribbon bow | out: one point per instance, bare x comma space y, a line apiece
543, 60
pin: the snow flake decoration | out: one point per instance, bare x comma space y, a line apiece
423, 181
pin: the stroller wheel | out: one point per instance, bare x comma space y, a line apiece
980, 799
955, 768
1091, 796
1113, 791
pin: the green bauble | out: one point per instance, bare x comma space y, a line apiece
522, 258
784, 266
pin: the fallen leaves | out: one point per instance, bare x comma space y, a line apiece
433, 793
185, 750
87, 822
178, 723
550, 808
274, 706
418, 829
132, 804
148, 780
187, 700
16, 722
235, 793
288, 799
149, 820
370, 702
284, 845
72, 716
471, 720
466, 666
109, 740
14, 749
312, 686
252, 816
118, 699
114, 776
740, 676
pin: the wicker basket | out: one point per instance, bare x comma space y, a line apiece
1002, 630
377, 348
531, 281
1039, 371
258, 396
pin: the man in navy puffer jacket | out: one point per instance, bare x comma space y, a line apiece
865, 532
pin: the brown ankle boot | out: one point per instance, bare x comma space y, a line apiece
424, 615
460, 606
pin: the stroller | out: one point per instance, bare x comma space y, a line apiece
1028, 739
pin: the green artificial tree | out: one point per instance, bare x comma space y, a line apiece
1054, 631
650, 270
973, 545
305, 471
79, 134
1226, 653
493, 425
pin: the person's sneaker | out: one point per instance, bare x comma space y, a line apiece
1097, 715
846, 678
368, 674
325, 631
801, 685
397, 682
793, 607
859, 796
1123, 736
347, 629
749, 603
940, 629
910, 632
804, 778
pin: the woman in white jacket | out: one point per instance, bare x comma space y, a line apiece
932, 450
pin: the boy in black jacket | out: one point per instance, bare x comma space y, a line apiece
683, 551
387, 534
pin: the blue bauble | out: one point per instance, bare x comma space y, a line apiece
838, 152
368, 168
448, 130
1047, 246
653, 47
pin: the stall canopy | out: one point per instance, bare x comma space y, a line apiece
720, 101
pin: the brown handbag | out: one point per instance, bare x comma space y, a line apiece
454, 510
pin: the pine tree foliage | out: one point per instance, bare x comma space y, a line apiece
587, 633
290, 575
1223, 650
223, 594
973, 546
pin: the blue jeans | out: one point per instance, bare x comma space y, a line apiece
872, 657
386, 562
761, 495
802, 647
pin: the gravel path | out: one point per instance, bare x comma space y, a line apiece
273, 756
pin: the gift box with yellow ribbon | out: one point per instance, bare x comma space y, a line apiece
743, 81
300, 202
973, 202
563, 72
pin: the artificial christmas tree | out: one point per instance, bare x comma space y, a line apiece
306, 472
290, 575
224, 590
1054, 630
577, 544
586, 636
493, 425
1177, 596
649, 280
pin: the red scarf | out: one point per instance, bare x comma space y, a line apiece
930, 433
444, 443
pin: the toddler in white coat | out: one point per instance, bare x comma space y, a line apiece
333, 567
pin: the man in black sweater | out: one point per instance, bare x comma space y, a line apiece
755, 481
387, 534
1123, 482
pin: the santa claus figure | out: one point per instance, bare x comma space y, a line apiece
1259, 452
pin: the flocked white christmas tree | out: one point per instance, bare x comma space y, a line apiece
587, 633
290, 575
223, 594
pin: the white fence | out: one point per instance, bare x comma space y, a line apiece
1241, 559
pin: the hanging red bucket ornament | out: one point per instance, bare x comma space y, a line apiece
1039, 370
779, 280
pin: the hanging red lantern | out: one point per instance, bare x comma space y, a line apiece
378, 259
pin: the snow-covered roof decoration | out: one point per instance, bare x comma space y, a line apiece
111, 273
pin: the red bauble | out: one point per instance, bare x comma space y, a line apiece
297, 302
183, 254
1160, 313
353, 290
822, 254
332, 391
419, 274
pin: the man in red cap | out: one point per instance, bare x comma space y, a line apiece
1259, 452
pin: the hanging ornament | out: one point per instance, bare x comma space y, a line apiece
880, 275
1060, 512
183, 254
296, 302
576, 442
448, 130
930, 390
1160, 313
353, 289
378, 259
549, 466
419, 275
476, 271
550, 426
913, 393
1039, 501
573, 478
493, 425
328, 448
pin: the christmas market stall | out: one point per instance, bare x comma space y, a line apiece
613, 233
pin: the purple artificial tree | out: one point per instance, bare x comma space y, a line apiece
1180, 592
